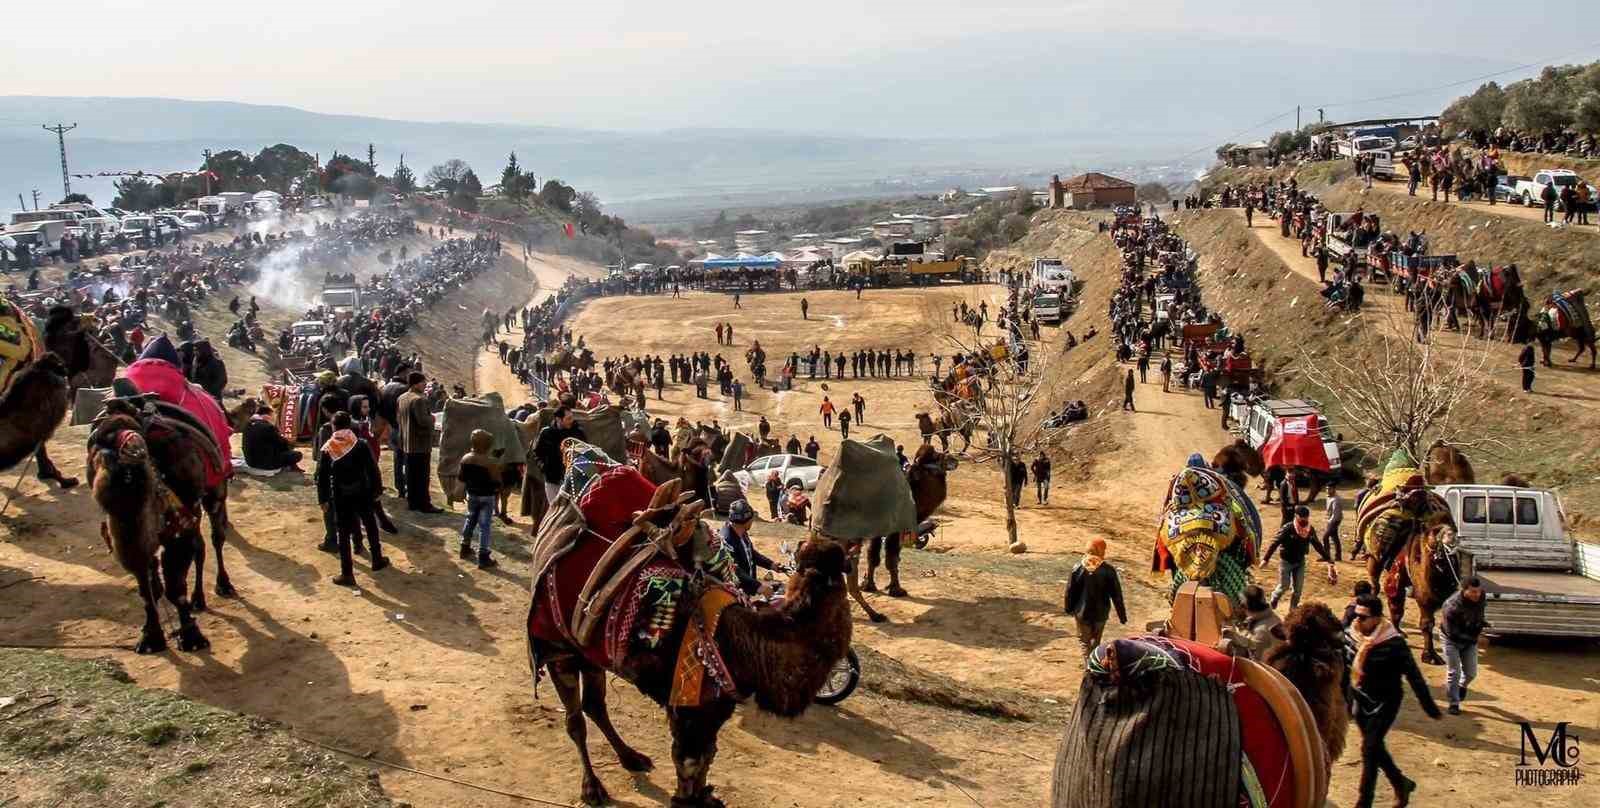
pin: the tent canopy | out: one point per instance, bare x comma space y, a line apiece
724, 263
1296, 442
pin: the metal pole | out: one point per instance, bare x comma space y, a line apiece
1296, 117
36, 199
61, 131
206, 169
21, 203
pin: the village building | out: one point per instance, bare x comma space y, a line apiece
1091, 190
752, 240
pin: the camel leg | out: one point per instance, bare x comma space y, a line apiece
564, 675
197, 595
47, 471
175, 559
594, 706
874, 550
151, 639
891, 558
217, 516
694, 747
1425, 622
1397, 608
853, 587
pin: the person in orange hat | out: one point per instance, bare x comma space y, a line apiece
1091, 592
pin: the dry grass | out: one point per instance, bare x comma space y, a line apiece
78, 733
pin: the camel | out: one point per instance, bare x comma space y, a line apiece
239, 417
89, 362
182, 449
1446, 465
569, 359
928, 489
1163, 735
1472, 293
948, 424
1552, 324
1430, 566
624, 380
142, 522
1238, 459
40, 390
780, 656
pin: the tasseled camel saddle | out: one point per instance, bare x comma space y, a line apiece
1169, 722
619, 562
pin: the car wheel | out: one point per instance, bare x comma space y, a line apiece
1527, 201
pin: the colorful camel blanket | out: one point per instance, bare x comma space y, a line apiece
1209, 532
20, 345
1567, 311
658, 605
1266, 770
166, 381
1399, 510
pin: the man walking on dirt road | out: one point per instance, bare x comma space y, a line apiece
805, 308
1127, 392
1525, 362
1249, 214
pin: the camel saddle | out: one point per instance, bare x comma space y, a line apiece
161, 421
20, 344
1259, 748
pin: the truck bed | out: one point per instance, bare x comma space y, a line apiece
1559, 604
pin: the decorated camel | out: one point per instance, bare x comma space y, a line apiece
1409, 536
89, 362
1210, 531
1170, 722
188, 462
153, 534
628, 580
570, 359
1565, 315
33, 395
1446, 465
1485, 295
926, 476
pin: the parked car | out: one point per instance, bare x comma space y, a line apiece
790, 468
1530, 192
1505, 188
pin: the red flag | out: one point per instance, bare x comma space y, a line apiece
568, 229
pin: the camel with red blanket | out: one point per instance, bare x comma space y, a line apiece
628, 580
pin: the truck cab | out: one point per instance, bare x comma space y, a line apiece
1048, 307
1051, 273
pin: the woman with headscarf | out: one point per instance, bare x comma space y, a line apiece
371, 430
1091, 592
347, 483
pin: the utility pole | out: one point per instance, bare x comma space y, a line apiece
36, 199
205, 169
1296, 117
1319, 115
61, 131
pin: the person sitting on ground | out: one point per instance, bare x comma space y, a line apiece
266, 449
796, 506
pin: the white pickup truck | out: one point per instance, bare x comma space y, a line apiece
1538, 579
1530, 190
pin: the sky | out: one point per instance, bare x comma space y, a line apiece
618, 64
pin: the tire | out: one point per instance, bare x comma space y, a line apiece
842, 681
1527, 201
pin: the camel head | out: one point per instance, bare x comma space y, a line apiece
1313, 660
1239, 458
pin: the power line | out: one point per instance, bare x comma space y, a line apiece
61, 131
1541, 63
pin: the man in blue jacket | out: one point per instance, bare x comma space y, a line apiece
746, 558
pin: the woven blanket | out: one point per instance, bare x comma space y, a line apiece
864, 493
1209, 532
1140, 662
1386, 522
1568, 310
461, 416
19, 343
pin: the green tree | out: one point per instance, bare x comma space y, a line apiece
447, 175
514, 183
282, 167
558, 195
346, 175
1587, 118
137, 193
1482, 111
461, 200
75, 197
470, 184
1014, 227
235, 170
404, 181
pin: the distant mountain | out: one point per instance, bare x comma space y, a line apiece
908, 116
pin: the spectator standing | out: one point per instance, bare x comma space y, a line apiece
1462, 623
481, 474
1525, 362
1019, 478
1127, 392
416, 441
1041, 478
813, 448
844, 424
1330, 531
1092, 590
547, 450
347, 483
827, 413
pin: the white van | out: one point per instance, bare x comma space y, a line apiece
1258, 419
1503, 526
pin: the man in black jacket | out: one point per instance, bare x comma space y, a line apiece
1297, 537
1091, 592
264, 447
547, 450
347, 483
388, 410
1462, 622
1383, 661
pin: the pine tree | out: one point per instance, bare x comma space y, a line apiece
404, 181
513, 183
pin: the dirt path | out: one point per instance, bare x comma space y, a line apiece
1506, 209
549, 272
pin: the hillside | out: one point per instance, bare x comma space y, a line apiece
1530, 435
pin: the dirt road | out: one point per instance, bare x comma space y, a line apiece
1506, 209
